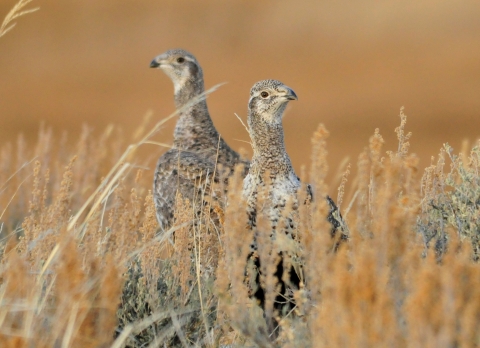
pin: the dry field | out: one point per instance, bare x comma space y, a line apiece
82, 265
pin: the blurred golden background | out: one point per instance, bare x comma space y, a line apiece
352, 64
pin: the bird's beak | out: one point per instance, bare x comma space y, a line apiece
158, 61
154, 64
290, 94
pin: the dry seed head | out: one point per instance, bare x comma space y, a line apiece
403, 144
341, 188
35, 202
319, 166
183, 247
138, 176
376, 144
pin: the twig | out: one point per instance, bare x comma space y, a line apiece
243, 124
15, 13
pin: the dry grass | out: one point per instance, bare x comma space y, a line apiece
82, 265
16, 12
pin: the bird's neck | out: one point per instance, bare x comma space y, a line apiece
187, 90
194, 126
269, 153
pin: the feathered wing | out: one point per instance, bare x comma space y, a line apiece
334, 217
183, 172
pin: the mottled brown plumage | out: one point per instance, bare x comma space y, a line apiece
198, 149
273, 182
266, 106
267, 103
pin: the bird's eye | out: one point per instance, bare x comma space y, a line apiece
180, 60
264, 94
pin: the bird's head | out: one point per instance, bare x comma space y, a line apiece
181, 66
268, 99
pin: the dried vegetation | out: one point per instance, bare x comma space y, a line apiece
82, 264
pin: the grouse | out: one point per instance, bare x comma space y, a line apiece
272, 182
198, 149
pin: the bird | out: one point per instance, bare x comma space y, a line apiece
271, 173
271, 188
199, 155
268, 99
